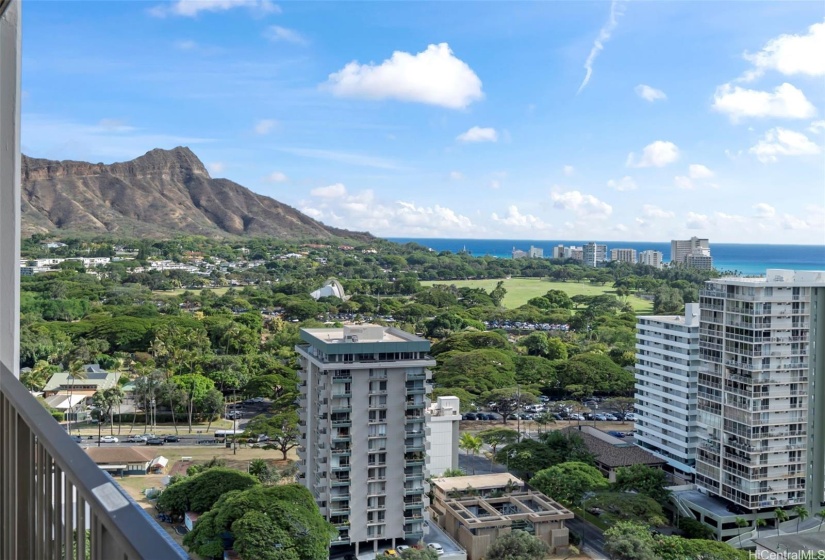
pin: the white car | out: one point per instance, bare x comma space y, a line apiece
437, 547
108, 439
401, 548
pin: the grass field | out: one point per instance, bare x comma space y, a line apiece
520, 290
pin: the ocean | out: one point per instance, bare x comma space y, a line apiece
744, 259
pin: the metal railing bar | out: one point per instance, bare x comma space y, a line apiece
58, 508
126, 523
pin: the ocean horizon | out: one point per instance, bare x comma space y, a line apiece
745, 259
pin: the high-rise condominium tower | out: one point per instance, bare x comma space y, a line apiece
363, 395
594, 254
761, 396
667, 365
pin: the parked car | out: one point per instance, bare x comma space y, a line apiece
630, 416
437, 547
614, 433
77, 439
469, 416
154, 441
401, 548
171, 439
135, 439
108, 439
234, 414
576, 416
486, 416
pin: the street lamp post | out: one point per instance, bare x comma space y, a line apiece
99, 424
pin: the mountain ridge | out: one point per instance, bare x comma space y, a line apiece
163, 192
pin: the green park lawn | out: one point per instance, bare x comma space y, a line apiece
181, 291
520, 290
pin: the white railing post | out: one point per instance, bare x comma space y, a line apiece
10, 95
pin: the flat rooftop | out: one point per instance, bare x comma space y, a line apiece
478, 481
776, 277
364, 338
709, 503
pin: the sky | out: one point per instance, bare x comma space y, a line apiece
634, 121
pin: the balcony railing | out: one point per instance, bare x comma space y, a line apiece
51, 492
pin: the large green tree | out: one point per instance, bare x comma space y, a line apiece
271, 523
645, 480
568, 482
281, 428
517, 545
200, 492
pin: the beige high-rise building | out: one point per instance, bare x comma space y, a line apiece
680, 249
623, 255
651, 258
363, 447
761, 391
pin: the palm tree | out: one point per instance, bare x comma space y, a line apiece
741, 523
780, 516
801, 515
470, 443
760, 523
38, 376
76, 371
821, 515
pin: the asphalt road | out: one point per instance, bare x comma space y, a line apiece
592, 537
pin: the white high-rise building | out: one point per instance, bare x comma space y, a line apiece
443, 417
667, 365
594, 254
560, 252
651, 258
363, 448
623, 255
761, 399
536, 252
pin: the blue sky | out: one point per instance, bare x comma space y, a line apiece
458, 119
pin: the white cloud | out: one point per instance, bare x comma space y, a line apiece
478, 134
495, 184
598, 45
697, 221
793, 222
786, 101
656, 154
764, 210
783, 142
585, 205
791, 54
699, 171
276, 33
568, 170
626, 183
620, 228
434, 76
653, 211
516, 219
649, 93
216, 167
683, 182
817, 127
456, 176
115, 125
277, 177
337, 190
193, 8
265, 126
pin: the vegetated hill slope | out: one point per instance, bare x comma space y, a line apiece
163, 192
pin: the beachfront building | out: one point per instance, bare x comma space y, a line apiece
363, 449
651, 258
699, 259
576, 253
536, 252
623, 255
761, 391
594, 254
667, 366
561, 252
681, 248
518, 254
